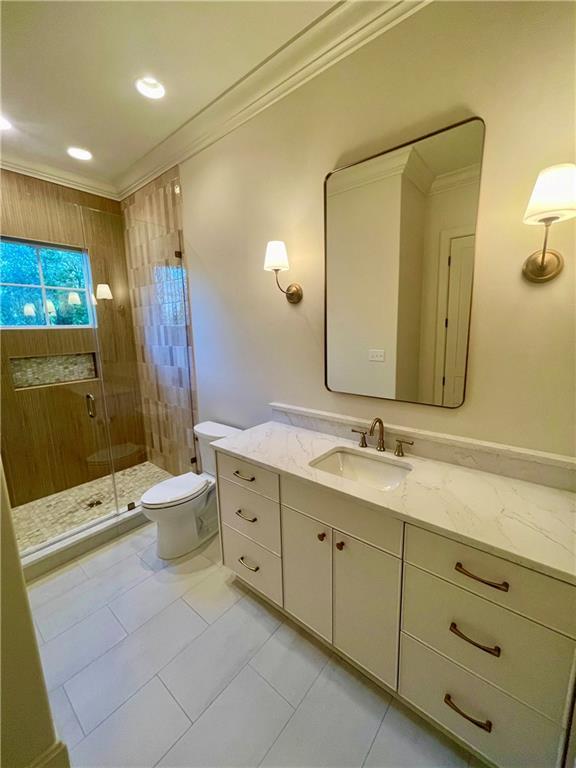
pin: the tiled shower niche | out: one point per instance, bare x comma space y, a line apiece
52, 369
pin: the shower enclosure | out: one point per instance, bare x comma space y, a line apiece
95, 364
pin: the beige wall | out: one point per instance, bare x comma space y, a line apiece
27, 735
264, 181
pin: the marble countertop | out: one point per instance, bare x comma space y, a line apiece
527, 523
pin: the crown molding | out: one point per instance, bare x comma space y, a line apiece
336, 35
340, 32
462, 177
56, 176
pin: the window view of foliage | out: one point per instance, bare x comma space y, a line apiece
42, 286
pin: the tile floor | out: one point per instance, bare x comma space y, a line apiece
156, 664
42, 520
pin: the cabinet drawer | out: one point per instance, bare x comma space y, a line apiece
542, 598
519, 737
251, 514
248, 475
253, 563
374, 526
529, 661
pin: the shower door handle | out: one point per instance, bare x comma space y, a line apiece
90, 402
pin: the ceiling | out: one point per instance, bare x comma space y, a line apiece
68, 72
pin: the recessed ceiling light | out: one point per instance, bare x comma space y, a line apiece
5, 125
150, 87
79, 154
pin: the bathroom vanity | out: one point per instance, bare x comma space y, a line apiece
454, 589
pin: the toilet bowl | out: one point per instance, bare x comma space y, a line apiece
184, 507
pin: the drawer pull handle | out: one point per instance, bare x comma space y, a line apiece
495, 651
340, 545
243, 477
321, 536
243, 516
252, 568
486, 725
503, 587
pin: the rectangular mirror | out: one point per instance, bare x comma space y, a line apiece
400, 237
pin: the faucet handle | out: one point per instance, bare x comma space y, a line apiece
399, 450
362, 443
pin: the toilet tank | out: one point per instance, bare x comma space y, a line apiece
207, 432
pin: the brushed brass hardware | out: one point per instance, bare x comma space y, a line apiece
340, 545
503, 586
276, 260
243, 516
250, 567
242, 477
293, 293
321, 536
495, 651
380, 424
362, 443
90, 406
399, 450
486, 725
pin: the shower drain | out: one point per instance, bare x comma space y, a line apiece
95, 503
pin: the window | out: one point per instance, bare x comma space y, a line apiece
43, 286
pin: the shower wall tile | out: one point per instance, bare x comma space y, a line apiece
161, 316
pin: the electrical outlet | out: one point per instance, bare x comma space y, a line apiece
376, 355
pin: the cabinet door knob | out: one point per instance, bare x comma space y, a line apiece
340, 545
321, 536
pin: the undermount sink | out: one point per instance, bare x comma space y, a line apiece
378, 472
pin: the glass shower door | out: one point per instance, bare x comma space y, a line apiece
55, 441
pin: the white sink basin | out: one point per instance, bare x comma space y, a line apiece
378, 472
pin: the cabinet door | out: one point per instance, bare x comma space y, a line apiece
366, 604
307, 567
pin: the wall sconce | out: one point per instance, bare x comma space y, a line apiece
103, 291
553, 199
74, 299
29, 310
276, 260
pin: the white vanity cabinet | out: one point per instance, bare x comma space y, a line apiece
483, 646
366, 605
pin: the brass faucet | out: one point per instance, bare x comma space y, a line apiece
380, 423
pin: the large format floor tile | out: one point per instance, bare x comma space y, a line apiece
406, 741
290, 661
110, 554
215, 595
74, 605
134, 607
54, 585
136, 735
334, 725
237, 729
75, 648
203, 669
102, 686
66, 723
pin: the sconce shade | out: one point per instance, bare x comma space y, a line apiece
50, 308
29, 310
554, 195
103, 291
74, 299
276, 256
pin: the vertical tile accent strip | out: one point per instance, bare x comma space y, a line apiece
161, 315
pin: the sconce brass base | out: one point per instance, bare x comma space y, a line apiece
537, 271
294, 293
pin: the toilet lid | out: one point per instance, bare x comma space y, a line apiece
175, 490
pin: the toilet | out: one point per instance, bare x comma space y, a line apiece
184, 507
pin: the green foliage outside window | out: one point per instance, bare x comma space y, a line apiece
42, 286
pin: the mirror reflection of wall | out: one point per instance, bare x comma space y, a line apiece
400, 236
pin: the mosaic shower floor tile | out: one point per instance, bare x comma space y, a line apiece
39, 521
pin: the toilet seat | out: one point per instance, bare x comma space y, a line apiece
175, 490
